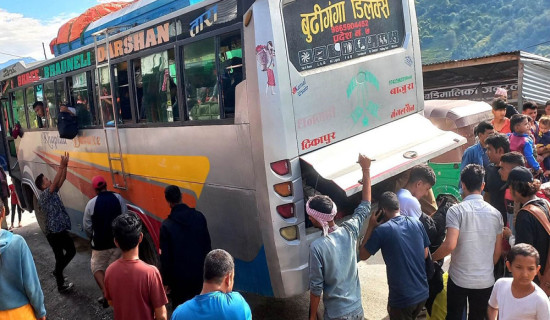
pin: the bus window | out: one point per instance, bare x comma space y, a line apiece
33, 119
156, 90
18, 107
231, 69
49, 103
60, 94
201, 87
123, 91
104, 89
8, 122
40, 118
78, 92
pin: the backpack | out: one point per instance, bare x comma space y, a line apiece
543, 219
67, 125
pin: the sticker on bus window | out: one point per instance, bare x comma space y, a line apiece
324, 32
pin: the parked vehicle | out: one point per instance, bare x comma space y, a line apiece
459, 116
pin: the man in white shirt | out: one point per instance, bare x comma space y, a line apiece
474, 236
421, 180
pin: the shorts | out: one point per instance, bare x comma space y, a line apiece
101, 259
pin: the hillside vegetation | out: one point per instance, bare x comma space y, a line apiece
462, 29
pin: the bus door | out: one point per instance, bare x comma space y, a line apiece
109, 115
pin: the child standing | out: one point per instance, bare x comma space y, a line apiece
500, 122
133, 287
14, 205
518, 297
542, 140
522, 143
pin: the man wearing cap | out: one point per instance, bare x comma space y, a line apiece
528, 229
474, 237
333, 256
98, 218
502, 94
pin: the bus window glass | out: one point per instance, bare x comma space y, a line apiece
104, 88
202, 81
40, 115
49, 103
18, 107
61, 96
8, 122
78, 90
231, 69
156, 89
123, 93
34, 120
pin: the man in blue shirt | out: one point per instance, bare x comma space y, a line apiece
216, 301
333, 256
404, 244
477, 154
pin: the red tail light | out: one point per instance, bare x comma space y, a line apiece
281, 167
286, 210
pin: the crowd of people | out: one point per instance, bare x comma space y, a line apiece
498, 238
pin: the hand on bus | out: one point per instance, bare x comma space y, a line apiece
64, 160
364, 162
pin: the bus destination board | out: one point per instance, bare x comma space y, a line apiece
322, 32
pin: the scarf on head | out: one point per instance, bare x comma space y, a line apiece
322, 218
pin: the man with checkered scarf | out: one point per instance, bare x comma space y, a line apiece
333, 256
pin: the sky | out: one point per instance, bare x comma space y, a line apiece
25, 24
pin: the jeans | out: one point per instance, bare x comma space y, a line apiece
478, 300
407, 313
63, 250
13, 207
354, 315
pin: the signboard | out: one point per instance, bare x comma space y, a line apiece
323, 32
473, 91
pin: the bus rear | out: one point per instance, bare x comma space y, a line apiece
327, 80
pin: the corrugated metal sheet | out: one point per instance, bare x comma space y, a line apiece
536, 78
474, 58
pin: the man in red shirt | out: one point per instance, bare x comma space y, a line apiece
14, 206
133, 287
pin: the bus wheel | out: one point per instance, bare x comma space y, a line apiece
40, 215
147, 250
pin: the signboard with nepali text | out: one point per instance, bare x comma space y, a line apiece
322, 32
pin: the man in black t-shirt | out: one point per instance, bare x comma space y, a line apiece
497, 145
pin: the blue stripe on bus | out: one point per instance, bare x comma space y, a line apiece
253, 276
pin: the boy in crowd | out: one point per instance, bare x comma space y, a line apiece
509, 161
333, 256
474, 237
547, 108
504, 304
476, 154
500, 122
542, 140
404, 244
421, 180
497, 145
521, 142
217, 301
132, 287
530, 110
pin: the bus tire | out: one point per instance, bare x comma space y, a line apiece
39, 214
148, 251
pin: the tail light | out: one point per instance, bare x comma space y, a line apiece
283, 189
286, 210
289, 233
281, 167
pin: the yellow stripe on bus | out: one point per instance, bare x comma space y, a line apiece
188, 172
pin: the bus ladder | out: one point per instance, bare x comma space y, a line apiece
113, 157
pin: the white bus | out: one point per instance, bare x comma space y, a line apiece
248, 106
